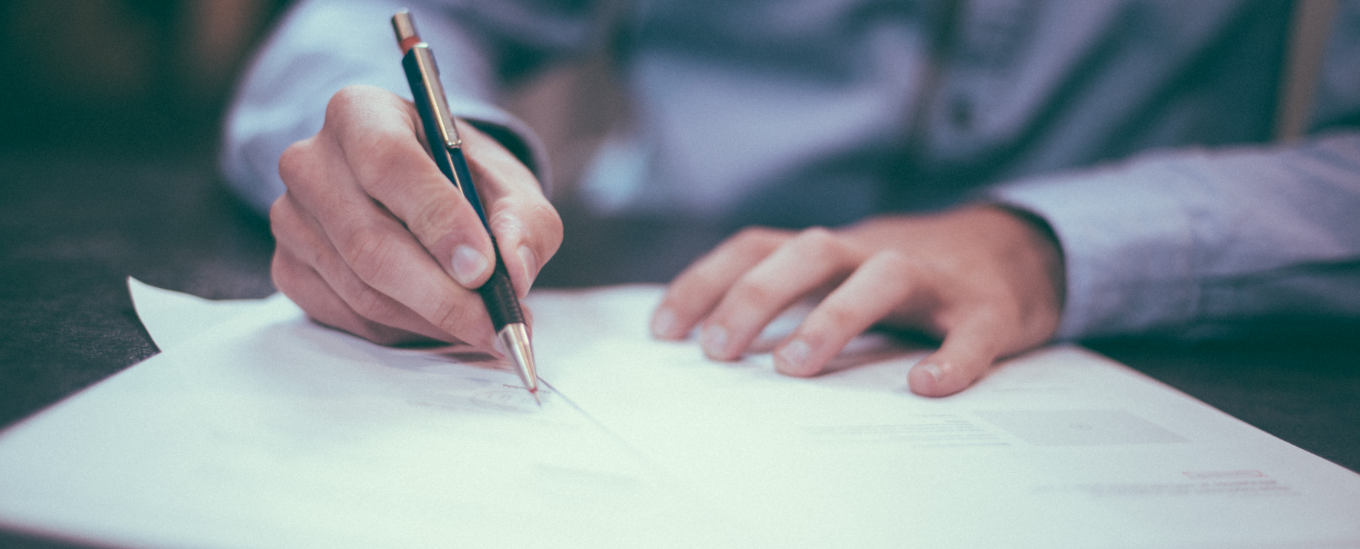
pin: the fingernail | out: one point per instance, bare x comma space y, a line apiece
793, 356
936, 373
714, 341
663, 322
468, 264
530, 260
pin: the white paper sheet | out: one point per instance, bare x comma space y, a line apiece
1059, 448
171, 318
269, 431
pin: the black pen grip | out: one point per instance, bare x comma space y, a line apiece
499, 296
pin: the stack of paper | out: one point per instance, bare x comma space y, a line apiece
258, 428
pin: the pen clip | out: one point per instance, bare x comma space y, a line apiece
407, 38
434, 89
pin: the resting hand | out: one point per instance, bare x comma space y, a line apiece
374, 240
984, 279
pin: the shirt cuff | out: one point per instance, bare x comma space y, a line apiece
1128, 247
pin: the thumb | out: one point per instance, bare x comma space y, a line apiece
967, 352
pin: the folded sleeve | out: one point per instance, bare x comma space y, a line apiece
320, 47
1199, 243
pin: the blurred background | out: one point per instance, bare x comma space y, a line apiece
122, 77
151, 79
109, 115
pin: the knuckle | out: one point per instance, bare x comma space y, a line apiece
340, 112
534, 221
281, 215
291, 231
367, 252
430, 220
293, 163
371, 304
551, 225
285, 214
748, 242
347, 100
747, 294
833, 317
817, 241
385, 157
749, 233
894, 263
758, 238
817, 234
506, 224
283, 271
449, 316
701, 280
836, 314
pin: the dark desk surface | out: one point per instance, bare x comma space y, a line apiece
72, 231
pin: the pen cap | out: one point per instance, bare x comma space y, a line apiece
405, 27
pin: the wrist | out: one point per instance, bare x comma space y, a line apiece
1043, 245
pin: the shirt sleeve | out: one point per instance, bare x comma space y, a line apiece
1206, 243
320, 47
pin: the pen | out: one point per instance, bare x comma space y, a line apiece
447, 147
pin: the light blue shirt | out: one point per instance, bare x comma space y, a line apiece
1134, 128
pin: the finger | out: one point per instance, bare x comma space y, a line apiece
812, 260
884, 282
528, 229
698, 289
967, 351
528, 233
312, 274
307, 289
376, 134
387, 258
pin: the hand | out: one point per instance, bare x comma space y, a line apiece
374, 240
986, 280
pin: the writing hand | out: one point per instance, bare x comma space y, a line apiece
374, 240
986, 280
